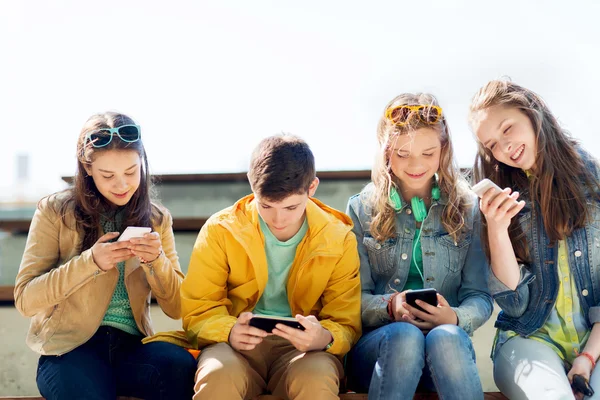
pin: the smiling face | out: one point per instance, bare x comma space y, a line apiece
284, 218
508, 133
116, 173
414, 159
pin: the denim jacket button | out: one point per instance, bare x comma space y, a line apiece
584, 292
404, 256
408, 211
378, 246
396, 281
578, 253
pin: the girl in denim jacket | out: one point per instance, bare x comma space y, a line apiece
544, 251
417, 227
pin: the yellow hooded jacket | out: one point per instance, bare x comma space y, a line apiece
228, 274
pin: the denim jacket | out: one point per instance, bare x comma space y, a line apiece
457, 271
525, 309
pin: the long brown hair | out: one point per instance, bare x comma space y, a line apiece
561, 178
452, 185
85, 201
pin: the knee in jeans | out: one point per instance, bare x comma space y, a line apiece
404, 335
445, 335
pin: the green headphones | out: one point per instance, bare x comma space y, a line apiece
417, 204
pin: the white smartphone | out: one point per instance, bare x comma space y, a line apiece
483, 186
133, 232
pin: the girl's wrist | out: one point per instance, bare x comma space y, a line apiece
587, 355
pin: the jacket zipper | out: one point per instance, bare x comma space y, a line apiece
156, 280
96, 273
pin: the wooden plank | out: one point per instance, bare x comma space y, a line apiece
348, 396
188, 224
180, 224
363, 174
241, 177
41, 398
15, 225
7, 294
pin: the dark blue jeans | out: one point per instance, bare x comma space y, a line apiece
114, 363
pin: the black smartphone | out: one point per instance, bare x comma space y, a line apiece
429, 296
581, 385
267, 322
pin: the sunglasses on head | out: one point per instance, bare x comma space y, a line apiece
400, 115
102, 137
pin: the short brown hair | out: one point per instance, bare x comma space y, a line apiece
281, 165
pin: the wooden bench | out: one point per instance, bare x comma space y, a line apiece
347, 396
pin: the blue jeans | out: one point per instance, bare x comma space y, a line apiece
114, 363
389, 362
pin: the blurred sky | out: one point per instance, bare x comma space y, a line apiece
208, 80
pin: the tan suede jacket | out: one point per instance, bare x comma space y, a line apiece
67, 295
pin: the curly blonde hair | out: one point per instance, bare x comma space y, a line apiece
452, 184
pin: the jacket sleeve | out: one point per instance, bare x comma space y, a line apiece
41, 282
475, 303
373, 306
204, 302
340, 314
512, 302
164, 274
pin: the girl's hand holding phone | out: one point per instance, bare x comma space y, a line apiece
107, 255
581, 366
148, 248
499, 206
396, 307
434, 316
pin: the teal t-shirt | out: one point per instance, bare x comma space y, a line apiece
280, 257
415, 281
119, 314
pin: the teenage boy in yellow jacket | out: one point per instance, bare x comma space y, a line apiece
276, 252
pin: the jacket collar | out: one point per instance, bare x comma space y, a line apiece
327, 229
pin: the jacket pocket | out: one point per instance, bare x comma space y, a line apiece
454, 253
381, 255
49, 322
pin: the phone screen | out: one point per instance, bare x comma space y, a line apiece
429, 296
